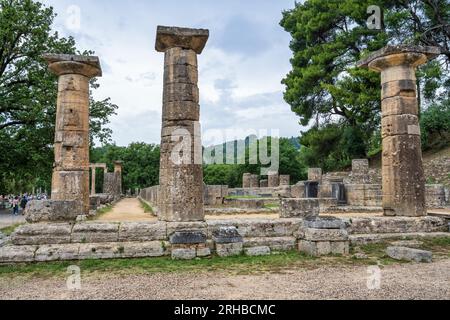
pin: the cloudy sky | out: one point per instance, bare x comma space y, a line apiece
241, 68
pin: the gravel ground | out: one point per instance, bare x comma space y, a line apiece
403, 281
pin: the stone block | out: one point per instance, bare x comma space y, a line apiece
340, 247
299, 208
53, 211
326, 223
95, 232
274, 243
203, 252
142, 231
226, 235
173, 227
143, 249
396, 225
315, 248
16, 254
62, 252
111, 250
257, 251
181, 38
184, 253
188, 237
408, 254
315, 174
42, 233
245, 203
229, 249
326, 234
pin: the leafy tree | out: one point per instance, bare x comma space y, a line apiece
140, 167
28, 95
324, 87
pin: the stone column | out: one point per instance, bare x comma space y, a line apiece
93, 168
118, 166
315, 174
403, 175
70, 181
181, 172
254, 181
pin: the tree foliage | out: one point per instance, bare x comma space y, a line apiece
28, 95
325, 88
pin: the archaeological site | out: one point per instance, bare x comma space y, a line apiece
333, 184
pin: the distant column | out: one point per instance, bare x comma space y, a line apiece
181, 172
403, 175
70, 180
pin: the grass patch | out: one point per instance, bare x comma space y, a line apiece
147, 208
101, 212
241, 197
9, 230
272, 206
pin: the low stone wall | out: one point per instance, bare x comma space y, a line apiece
214, 195
106, 240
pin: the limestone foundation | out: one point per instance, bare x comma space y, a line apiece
181, 175
70, 181
402, 173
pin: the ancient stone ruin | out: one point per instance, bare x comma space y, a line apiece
403, 176
297, 220
181, 171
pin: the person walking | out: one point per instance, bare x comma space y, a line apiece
23, 202
15, 204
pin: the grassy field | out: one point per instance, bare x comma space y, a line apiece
280, 262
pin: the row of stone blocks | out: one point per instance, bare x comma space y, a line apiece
94, 240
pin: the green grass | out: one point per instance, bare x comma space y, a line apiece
102, 212
236, 265
147, 208
241, 197
272, 206
9, 230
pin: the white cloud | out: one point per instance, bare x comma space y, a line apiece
240, 69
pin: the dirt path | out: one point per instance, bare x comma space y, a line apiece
400, 281
129, 210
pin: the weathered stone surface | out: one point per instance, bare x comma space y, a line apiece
143, 249
61, 252
285, 180
326, 223
246, 180
403, 174
245, 203
14, 254
95, 232
396, 225
53, 211
300, 208
70, 181
257, 251
109, 250
273, 179
215, 195
435, 196
407, 243
364, 239
226, 235
312, 248
259, 227
264, 183
229, 249
326, 234
315, 174
186, 38
408, 254
184, 254
142, 231
173, 227
180, 196
340, 247
274, 243
188, 237
42, 233
203, 252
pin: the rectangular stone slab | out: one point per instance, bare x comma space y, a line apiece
187, 38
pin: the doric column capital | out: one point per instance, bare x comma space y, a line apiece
62, 64
402, 55
186, 38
